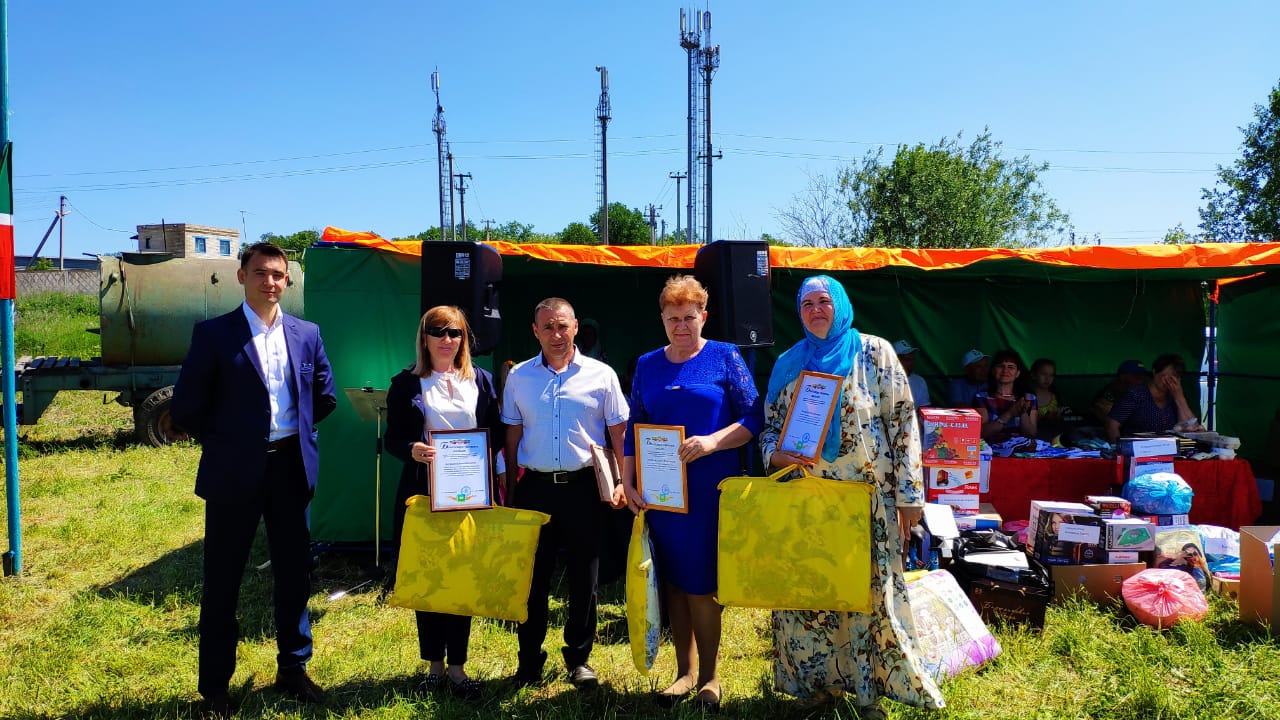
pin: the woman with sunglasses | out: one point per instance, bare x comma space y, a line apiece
442, 390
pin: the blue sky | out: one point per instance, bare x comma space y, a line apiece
284, 116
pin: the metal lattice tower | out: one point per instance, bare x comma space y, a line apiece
603, 115
710, 63
691, 41
445, 174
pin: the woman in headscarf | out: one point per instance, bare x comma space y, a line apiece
873, 438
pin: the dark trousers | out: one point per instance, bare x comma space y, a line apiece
576, 512
438, 633
229, 531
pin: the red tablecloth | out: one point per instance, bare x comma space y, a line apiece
1226, 493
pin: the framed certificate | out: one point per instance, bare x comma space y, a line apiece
460, 478
810, 414
608, 474
660, 476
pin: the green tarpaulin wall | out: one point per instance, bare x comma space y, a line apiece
1248, 393
367, 305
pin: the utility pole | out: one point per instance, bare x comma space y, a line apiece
486, 229
664, 223
603, 114
653, 222
678, 176
62, 223
452, 227
462, 201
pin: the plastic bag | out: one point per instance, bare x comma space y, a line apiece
644, 614
476, 563
803, 544
1164, 598
1221, 548
978, 554
1161, 493
949, 633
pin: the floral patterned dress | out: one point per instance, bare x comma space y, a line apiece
870, 655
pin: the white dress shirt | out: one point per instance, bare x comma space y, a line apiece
563, 413
273, 362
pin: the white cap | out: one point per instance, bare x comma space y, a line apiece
972, 357
902, 347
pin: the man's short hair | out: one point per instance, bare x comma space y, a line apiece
553, 304
266, 248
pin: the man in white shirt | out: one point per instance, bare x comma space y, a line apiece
907, 357
556, 406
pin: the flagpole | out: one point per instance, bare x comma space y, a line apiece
12, 558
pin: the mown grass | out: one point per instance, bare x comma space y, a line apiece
102, 624
56, 324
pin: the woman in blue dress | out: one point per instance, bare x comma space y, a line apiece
704, 386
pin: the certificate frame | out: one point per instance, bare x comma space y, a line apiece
608, 473
461, 474
818, 394
656, 447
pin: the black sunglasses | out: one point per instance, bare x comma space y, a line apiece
439, 332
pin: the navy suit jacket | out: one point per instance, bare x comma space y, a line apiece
221, 400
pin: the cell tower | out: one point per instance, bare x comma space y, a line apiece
445, 162
691, 41
710, 63
603, 115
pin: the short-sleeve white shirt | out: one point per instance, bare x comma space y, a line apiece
563, 413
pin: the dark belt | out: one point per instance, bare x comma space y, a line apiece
559, 477
284, 443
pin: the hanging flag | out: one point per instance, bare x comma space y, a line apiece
8, 281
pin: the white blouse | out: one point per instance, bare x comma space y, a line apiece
450, 401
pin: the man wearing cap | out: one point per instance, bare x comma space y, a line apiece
907, 356
962, 389
1130, 373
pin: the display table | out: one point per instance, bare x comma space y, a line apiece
1226, 493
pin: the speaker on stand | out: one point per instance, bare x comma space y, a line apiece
467, 274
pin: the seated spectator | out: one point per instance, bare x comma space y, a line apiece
907, 356
1154, 406
1007, 410
1130, 373
1042, 374
962, 389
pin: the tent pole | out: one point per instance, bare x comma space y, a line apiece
1213, 360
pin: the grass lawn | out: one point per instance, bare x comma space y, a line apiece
102, 624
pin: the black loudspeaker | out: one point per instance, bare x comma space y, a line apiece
736, 274
466, 274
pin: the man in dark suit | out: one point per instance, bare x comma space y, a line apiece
254, 384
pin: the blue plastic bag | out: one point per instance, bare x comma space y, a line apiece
1161, 493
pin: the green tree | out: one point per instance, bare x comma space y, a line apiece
40, 264
1245, 204
948, 196
294, 244
576, 233
1177, 235
626, 226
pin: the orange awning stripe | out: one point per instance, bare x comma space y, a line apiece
1136, 257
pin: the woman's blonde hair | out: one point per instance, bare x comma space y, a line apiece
683, 290
444, 316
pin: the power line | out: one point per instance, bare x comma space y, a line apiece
92, 222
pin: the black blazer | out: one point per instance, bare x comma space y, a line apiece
405, 421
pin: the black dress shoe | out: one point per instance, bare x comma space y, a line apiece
297, 684
530, 672
217, 706
584, 678
468, 689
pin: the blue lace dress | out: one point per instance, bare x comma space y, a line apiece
707, 392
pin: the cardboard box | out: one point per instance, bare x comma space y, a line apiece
1108, 505
1098, 582
1143, 447
1133, 468
954, 486
1259, 582
1069, 538
1051, 506
950, 438
1165, 520
1227, 587
986, 519
1133, 534
1010, 603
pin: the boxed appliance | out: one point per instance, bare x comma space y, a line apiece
950, 437
1069, 538
1133, 534
1108, 505
954, 486
986, 519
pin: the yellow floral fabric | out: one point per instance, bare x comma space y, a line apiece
477, 562
875, 654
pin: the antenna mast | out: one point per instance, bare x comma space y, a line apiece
710, 63
444, 159
691, 41
603, 114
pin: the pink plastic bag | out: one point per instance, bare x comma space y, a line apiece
1163, 598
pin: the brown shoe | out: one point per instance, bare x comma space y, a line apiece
295, 683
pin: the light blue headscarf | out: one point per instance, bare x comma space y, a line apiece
833, 354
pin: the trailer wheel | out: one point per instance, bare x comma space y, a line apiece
152, 422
